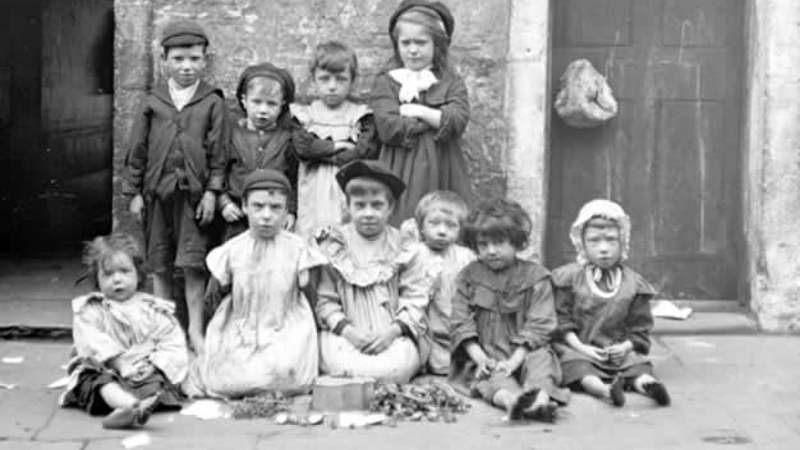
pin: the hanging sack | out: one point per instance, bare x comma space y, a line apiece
585, 99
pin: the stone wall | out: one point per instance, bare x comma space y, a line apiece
285, 32
772, 165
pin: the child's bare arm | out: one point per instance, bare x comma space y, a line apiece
591, 351
511, 364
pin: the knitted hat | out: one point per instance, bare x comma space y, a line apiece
282, 76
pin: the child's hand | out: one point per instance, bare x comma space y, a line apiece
137, 207
428, 115
232, 213
412, 110
344, 146
383, 340
510, 365
302, 278
507, 367
142, 369
358, 338
593, 352
205, 210
485, 367
288, 224
617, 352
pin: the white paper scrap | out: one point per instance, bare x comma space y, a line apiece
207, 409
59, 383
137, 440
669, 310
13, 359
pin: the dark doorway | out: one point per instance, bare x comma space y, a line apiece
672, 157
56, 106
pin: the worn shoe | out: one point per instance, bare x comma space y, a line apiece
658, 392
522, 404
617, 392
121, 419
131, 417
544, 413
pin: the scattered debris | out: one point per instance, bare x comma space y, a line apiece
59, 383
207, 409
284, 418
13, 359
137, 440
355, 419
669, 310
265, 405
728, 438
7, 386
432, 402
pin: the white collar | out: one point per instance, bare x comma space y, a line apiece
412, 82
180, 95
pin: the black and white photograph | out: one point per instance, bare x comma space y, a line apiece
399, 224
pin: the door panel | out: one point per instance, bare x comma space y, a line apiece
672, 155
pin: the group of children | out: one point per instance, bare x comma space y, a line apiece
314, 277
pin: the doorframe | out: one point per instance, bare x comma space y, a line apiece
529, 107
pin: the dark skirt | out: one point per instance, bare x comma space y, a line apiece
540, 370
575, 370
93, 376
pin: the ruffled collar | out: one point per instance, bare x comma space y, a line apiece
335, 243
412, 83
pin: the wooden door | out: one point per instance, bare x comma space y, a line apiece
672, 156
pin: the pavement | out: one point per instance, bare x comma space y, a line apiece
729, 391
731, 388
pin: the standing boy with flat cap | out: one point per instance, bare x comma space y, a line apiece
174, 167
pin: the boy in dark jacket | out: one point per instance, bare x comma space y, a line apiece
174, 167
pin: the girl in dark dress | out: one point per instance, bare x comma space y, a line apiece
421, 107
604, 317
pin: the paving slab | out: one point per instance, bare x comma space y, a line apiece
728, 392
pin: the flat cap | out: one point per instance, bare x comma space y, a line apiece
375, 170
266, 179
180, 33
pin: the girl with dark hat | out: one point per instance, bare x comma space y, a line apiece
421, 106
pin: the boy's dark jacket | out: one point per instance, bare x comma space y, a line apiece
200, 129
